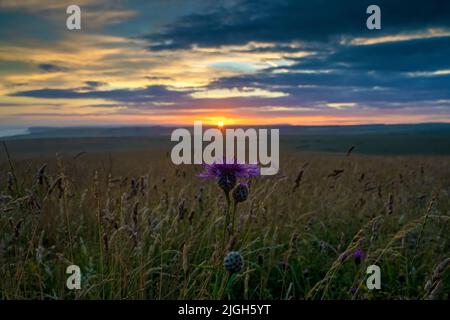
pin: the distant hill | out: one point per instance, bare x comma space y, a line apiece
285, 130
409, 139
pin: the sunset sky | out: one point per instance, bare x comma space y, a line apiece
236, 62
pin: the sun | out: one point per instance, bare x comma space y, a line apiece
220, 124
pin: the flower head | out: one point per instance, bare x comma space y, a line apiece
227, 182
358, 256
240, 193
233, 262
227, 173
228, 168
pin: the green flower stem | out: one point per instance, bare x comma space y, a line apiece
227, 219
234, 215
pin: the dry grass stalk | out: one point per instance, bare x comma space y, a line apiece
435, 285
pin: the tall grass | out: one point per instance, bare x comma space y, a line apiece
142, 228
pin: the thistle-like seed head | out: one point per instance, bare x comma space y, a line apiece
233, 262
240, 193
227, 182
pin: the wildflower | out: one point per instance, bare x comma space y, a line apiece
354, 291
233, 262
240, 193
358, 256
227, 173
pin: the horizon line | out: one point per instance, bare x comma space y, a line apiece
140, 125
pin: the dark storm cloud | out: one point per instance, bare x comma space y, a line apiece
286, 21
412, 55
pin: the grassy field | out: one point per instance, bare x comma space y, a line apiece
141, 228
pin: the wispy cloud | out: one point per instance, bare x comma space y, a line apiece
429, 33
236, 92
341, 105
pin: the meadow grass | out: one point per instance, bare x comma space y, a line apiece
141, 228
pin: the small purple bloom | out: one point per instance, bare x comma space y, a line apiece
354, 291
228, 172
358, 256
230, 168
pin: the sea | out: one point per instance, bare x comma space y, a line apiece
8, 132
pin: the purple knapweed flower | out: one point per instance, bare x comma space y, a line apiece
228, 172
358, 256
